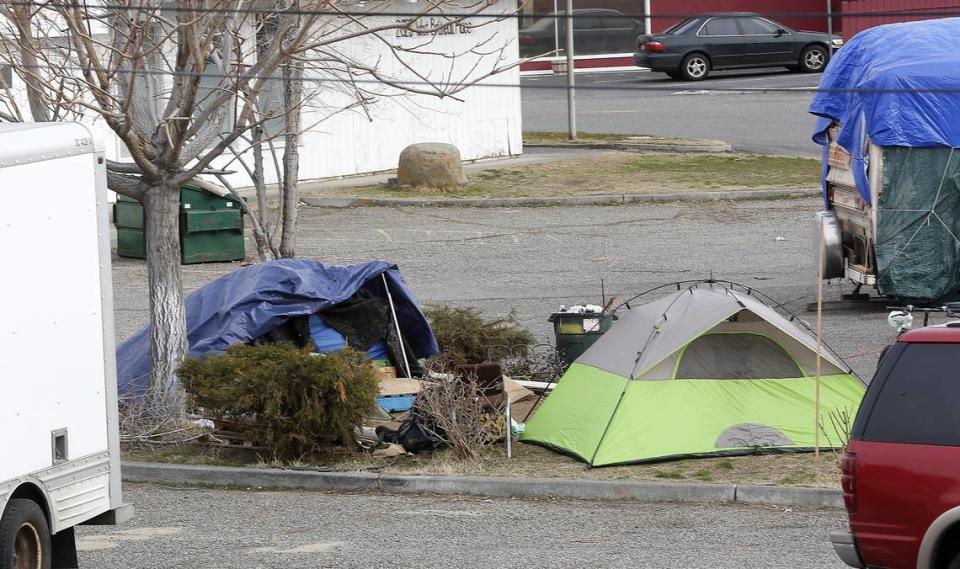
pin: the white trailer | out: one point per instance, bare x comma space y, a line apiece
59, 438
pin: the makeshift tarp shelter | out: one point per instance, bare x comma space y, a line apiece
703, 371
256, 301
889, 126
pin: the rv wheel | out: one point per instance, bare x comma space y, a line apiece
24, 537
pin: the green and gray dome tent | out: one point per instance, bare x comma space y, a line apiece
701, 372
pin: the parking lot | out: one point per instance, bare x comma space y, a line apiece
217, 529
532, 260
761, 111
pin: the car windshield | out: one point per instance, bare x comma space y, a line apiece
681, 28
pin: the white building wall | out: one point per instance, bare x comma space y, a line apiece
487, 124
483, 120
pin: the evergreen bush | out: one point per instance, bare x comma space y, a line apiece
465, 337
298, 402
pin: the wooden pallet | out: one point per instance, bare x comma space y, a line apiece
235, 434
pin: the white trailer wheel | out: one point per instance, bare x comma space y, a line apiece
24, 537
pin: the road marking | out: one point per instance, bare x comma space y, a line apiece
746, 91
694, 92
441, 513
113, 540
320, 547
385, 234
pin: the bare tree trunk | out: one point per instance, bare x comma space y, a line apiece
292, 100
168, 321
38, 108
261, 233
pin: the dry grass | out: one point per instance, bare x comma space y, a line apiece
187, 454
535, 137
617, 173
530, 461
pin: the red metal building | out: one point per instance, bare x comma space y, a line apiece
798, 14
842, 17
858, 15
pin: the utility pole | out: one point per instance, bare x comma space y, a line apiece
830, 24
571, 103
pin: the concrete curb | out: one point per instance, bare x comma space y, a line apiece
490, 486
706, 147
790, 496
606, 199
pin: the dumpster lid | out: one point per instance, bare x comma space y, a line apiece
210, 187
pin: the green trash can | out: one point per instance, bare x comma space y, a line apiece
575, 332
211, 227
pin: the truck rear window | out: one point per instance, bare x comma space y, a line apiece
919, 401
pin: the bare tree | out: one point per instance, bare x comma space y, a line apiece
180, 82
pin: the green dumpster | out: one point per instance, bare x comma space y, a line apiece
576, 332
211, 227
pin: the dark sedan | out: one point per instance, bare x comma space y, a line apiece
595, 31
696, 46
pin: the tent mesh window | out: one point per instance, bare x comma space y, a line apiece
736, 356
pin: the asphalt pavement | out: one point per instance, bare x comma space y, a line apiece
532, 260
224, 529
526, 260
762, 111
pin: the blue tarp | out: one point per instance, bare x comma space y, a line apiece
249, 302
328, 339
899, 85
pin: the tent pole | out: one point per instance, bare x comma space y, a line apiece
396, 323
509, 428
816, 432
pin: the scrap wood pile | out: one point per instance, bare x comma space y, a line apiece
464, 409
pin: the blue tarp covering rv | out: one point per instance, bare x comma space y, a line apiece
874, 89
889, 123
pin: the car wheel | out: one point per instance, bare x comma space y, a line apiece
695, 67
814, 58
955, 563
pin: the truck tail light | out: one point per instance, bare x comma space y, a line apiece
654, 47
848, 481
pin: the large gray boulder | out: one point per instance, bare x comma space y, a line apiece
431, 165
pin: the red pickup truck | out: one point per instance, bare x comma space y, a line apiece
901, 471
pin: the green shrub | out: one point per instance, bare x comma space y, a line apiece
295, 402
465, 337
